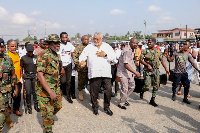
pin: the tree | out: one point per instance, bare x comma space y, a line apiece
106, 34
89, 35
128, 34
35, 37
78, 35
17, 40
137, 34
147, 36
28, 39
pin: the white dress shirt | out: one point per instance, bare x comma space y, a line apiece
98, 66
65, 53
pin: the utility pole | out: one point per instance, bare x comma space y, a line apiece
45, 31
145, 30
28, 35
186, 31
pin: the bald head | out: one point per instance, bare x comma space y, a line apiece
133, 43
85, 39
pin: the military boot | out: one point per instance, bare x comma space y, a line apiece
8, 120
80, 95
152, 102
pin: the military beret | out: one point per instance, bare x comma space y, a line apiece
29, 48
1, 41
152, 39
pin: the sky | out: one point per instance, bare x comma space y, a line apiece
115, 17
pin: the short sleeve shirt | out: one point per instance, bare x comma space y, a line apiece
180, 61
127, 56
28, 63
65, 53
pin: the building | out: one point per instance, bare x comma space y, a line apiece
176, 34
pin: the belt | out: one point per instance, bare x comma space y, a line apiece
30, 72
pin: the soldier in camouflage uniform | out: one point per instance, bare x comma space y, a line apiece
150, 58
48, 82
82, 72
8, 80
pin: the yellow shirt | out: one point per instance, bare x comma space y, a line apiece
16, 61
137, 56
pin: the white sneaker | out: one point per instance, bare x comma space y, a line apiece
86, 91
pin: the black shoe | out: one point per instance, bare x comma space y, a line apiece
152, 102
141, 94
122, 107
30, 110
113, 94
108, 112
36, 108
69, 100
73, 97
186, 101
49, 132
173, 96
127, 103
95, 112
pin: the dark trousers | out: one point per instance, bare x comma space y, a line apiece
72, 85
183, 77
30, 89
94, 91
17, 100
66, 81
114, 72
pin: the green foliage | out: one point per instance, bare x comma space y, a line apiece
106, 34
17, 40
28, 39
78, 35
89, 35
35, 38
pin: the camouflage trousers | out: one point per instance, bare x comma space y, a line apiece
5, 101
151, 80
48, 109
82, 80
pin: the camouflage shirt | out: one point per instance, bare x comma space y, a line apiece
6, 66
48, 63
77, 52
151, 57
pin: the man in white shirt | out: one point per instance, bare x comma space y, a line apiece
66, 52
21, 50
98, 56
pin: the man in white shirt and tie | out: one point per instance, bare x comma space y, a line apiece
98, 56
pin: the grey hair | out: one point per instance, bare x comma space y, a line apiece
9, 42
98, 34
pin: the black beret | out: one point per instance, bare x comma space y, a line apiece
1, 41
152, 39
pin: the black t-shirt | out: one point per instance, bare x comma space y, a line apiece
28, 63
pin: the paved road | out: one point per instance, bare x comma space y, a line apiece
169, 116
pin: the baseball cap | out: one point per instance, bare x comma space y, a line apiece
29, 48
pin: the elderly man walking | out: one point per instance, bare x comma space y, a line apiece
98, 56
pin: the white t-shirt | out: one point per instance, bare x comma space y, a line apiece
21, 52
98, 66
65, 53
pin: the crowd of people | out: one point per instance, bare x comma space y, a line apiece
48, 71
